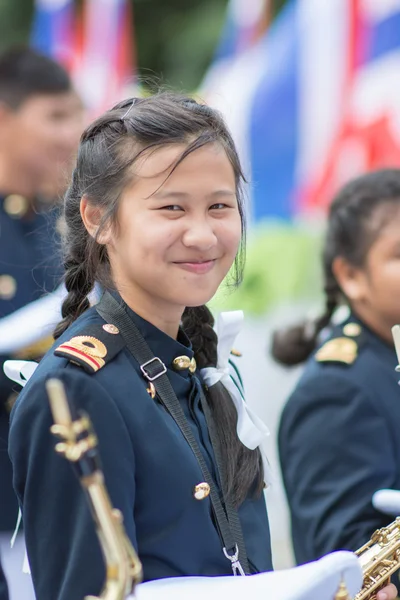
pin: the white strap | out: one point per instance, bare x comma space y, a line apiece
251, 430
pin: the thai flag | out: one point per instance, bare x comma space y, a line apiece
246, 21
316, 102
106, 68
53, 30
245, 24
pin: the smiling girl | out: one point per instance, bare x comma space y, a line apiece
154, 214
339, 431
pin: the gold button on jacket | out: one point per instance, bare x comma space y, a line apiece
16, 206
184, 362
8, 287
201, 490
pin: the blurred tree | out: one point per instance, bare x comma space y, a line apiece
175, 39
277, 5
15, 21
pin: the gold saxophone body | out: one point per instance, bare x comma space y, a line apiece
380, 558
79, 445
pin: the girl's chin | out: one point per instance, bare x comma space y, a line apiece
197, 300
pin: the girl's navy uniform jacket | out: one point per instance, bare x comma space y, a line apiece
150, 471
339, 441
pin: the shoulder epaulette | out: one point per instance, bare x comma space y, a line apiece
343, 348
96, 345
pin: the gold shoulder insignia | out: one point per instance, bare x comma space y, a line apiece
352, 329
86, 350
338, 350
94, 350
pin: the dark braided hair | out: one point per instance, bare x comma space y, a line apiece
351, 233
243, 467
108, 151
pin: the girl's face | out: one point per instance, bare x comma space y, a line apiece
376, 287
177, 235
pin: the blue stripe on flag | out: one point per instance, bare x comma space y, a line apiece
274, 118
385, 37
229, 38
52, 29
42, 31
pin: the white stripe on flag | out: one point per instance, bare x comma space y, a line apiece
323, 53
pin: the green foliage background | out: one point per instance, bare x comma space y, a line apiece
283, 265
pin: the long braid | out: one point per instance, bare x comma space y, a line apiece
242, 467
78, 286
332, 293
198, 323
79, 277
293, 345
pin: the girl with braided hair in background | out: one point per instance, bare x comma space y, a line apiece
154, 214
338, 440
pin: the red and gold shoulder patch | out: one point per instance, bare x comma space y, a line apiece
86, 350
93, 351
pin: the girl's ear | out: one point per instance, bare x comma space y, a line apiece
91, 217
351, 279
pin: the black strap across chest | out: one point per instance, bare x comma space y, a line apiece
154, 370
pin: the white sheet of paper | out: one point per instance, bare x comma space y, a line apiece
318, 580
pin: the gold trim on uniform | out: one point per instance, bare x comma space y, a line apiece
86, 348
338, 350
8, 287
352, 329
111, 328
180, 363
16, 206
201, 490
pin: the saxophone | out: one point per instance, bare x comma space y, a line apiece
79, 445
379, 558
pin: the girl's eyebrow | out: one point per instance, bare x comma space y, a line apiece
162, 195
169, 194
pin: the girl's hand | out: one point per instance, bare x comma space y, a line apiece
387, 593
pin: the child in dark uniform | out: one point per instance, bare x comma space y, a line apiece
338, 437
154, 214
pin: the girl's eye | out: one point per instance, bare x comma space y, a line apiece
218, 206
171, 207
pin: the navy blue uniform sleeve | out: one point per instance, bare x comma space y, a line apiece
63, 549
6, 385
335, 452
